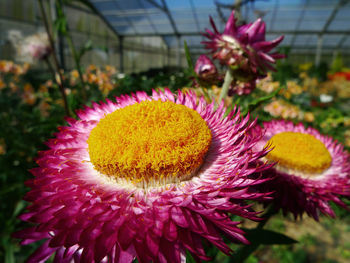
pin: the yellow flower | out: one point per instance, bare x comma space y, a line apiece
294, 88
303, 75
305, 66
267, 85
347, 122
309, 117
347, 138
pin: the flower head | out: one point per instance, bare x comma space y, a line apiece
241, 88
283, 109
36, 46
311, 169
147, 177
206, 71
243, 48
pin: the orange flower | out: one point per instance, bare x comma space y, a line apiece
44, 108
2, 83
28, 95
283, 109
110, 69
6, 66
2, 147
43, 88
13, 87
91, 68
106, 88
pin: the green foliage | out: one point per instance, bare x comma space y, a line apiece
286, 255
24, 131
256, 102
267, 237
337, 64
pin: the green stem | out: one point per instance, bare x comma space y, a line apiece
57, 65
73, 50
77, 63
227, 82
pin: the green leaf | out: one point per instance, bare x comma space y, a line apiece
60, 25
87, 47
255, 103
189, 258
9, 254
268, 237
189, 62
188, 58
18, 208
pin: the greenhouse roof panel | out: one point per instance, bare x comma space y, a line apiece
301, 21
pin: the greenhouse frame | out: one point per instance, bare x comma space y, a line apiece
154, 31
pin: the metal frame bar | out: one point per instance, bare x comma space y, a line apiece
233, 6
308, 50
220, 13
152, 24
324, 29
156, 5
342, 40
195, 15
98, 13
121, 53
166, 10
333, 14
274, 13
301, 17
277, 32
148, 18
127, 19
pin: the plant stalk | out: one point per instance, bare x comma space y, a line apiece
73, 50
227, 82
58, 68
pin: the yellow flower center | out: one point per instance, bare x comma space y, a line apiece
151, 142
300, 152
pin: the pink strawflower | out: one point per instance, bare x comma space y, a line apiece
89, 209
311, 169
206, 71
243, 48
